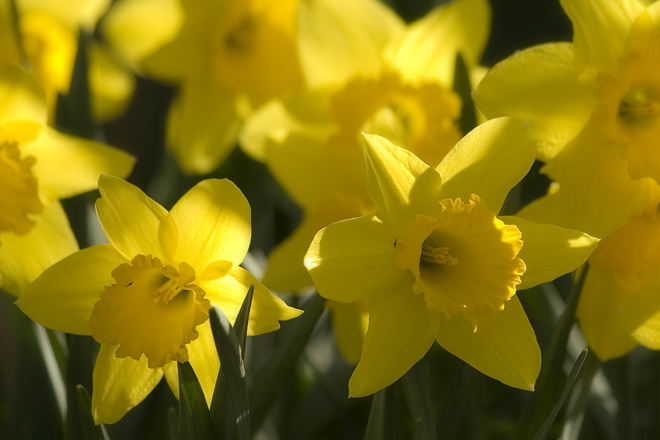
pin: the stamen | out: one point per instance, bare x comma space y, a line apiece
638, 104
439, 255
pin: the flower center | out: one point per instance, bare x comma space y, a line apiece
19, 190
630, 104
481, 272
420, 116
151, 309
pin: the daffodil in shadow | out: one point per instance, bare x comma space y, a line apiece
38, 167
146, 296
437, 263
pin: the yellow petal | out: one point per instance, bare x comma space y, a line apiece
203, 125
475, 165
506, 351
349, 322
120, 384
341, 39
600, 32
21, 96
400, 332
391, 175
63, 297
308, 168
640, 315
82, 161
306, 112
539, 85
267, 309
136, 28
599, 314
111, 85
213, 220
23, 258
550, 251
74, 13
349, 258
203, 357
131, 221
596, 194
429, 46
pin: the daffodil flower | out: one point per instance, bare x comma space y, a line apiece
594, 107
437, 263
367, 71
48, 41
145, 297
227, 57
39, 166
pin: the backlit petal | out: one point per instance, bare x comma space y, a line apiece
349, 322
506, 351
203, 357
120, 384
267, 309
401, 331
81, 161
391, 174
488, 162
24, 257
599, 314
539, 85
348, 259
341, 39
21, 96
111, 85
429, 46
550, 251
213, 219
600, 31
63, 297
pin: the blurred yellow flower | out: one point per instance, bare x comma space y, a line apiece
227, 57
368, 72
436, 263
46, 39
39, 166
594, 107
145, 296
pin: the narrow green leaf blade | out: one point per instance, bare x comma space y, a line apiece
463, 88
241, 324
269, 381
194, 416
577, 366
231, 359
89, 429
380, 420
417, 389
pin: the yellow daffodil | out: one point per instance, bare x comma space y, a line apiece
46, 39
620, 303
146, 296
436, 263
368, 72
594, 108
227, 57
39, 166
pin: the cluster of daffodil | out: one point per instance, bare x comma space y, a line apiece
401, 171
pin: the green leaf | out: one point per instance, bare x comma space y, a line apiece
233, 370
463, 88
90, 430
241, 324
577, 401
194, 416
550, 379
78, 372
417, 389
269, 381
577, 366
73, 111
379, 426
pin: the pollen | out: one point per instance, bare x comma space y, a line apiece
437, 255
152, 310
19, 190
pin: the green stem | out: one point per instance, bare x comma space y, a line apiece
578, 400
